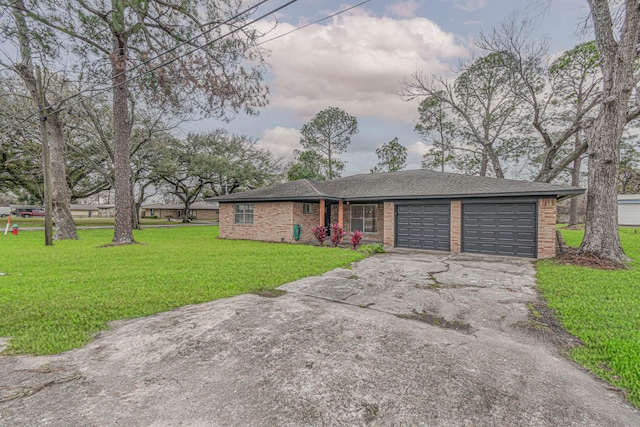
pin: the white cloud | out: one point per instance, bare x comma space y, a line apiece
356, 62
280, 141
404, 9
468, 5
419, 148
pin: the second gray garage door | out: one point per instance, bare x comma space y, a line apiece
500, 229
423, 226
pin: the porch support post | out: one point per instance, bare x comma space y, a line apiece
322, 208
340, 213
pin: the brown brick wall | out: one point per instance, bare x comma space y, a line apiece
389, 225
546, 228
272, 222
306, 221
456, 226
211, 214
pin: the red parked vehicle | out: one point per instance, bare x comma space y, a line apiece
30, 213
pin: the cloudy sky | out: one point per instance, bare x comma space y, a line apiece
357, 60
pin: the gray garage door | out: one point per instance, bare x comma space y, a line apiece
499, 228
423, 226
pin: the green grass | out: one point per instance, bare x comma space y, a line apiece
81, 222
55, 298
602, 308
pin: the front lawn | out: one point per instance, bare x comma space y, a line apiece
82, 222
602, 308
54, 298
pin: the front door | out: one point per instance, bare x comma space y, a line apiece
327, 217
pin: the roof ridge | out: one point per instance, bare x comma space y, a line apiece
318, 192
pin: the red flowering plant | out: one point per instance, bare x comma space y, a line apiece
356, 235
320, 233
337, 233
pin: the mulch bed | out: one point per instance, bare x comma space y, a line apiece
588, 259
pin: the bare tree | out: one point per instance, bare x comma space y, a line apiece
617, 43
526, 65
576, 81
480, 106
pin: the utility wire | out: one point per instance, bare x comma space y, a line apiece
171, 49
315, 22
170, 61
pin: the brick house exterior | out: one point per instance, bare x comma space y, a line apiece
198, 211
499, 217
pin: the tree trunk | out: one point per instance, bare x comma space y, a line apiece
575, 181
123, 230
484, 163
60, 195
135, 210
617, 58
601, 226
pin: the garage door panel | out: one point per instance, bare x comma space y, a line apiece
423, 226
499, 228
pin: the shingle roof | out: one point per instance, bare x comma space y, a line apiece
178, 206
75, 207
413, 184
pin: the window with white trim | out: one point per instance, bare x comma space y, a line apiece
363, 218
243, 213
307, 209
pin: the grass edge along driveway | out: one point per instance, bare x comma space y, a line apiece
53, 299
602, 308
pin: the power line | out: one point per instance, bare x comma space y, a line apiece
171, 49
170, 61
315, 22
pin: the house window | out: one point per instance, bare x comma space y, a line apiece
363, 218
243, 213
307, 209
153, 211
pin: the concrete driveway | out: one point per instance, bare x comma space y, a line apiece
404, 338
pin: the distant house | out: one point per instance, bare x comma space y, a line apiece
84, 211
198, 210
629, 209
417, 209
106, 211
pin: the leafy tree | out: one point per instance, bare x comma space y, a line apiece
91, 134
240, 164
20, 148
616, 35
213, 163
308, 165
392, 157
191, 59
17, 28
436, 128
329, 134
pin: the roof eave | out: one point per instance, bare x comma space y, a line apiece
559, 194
273, 199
